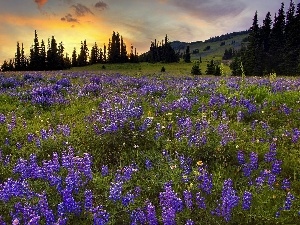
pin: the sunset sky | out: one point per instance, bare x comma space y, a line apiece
138, 21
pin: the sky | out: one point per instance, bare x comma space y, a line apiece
138, 21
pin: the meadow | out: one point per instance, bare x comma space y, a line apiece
145, 147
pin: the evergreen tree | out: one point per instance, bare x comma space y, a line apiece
211, 68
35, 54
67, 62
83, 55
217, 70
74, 58
43, 56
235, 67
23, 61
123, 56
53, 60
291, 49
94, 54
196, 69
265, 37
277, 41
187, 56
18, 58
4, 66
104, 53
61, 59
253, 58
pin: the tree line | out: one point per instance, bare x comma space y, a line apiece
160, 52
54, 58
273, 47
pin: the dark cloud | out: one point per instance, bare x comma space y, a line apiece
40, 3
81, 10
101, 5
69, 18
210, 10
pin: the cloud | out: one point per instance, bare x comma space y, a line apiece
101, 5
210, 10
69, 18
40, 3
81, 10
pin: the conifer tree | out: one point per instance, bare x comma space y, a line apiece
18, 58
210, 68
53, 60
43, 56
291, 49
187, 56
277, 41
74, 58
83, 55
94, 54
35, 54
61, 58
23, 60
104, 53
265, 38
253, 58
235, 67
123, 56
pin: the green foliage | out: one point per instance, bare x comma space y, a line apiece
196, 69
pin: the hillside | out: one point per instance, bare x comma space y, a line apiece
216, 50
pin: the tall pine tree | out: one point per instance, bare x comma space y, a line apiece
252, 59
277, 41
265, 38
291, 49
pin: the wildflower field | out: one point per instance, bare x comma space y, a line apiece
105, 148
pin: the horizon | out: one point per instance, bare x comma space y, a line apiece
72, 21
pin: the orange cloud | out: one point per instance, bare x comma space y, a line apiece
40, 3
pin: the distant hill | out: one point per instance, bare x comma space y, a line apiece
214, 47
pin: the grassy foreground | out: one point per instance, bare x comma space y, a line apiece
150, 69
86, 147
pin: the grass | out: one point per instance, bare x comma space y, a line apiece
148, 69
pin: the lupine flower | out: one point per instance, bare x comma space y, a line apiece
247, 199
128, 198
259, 182
271, 180
270, 156
88, 202
276, 167
104, 170
151, 214
69, 205
169, 199
187, 196
2, 118
168, 216
253, 160
137, 216
115, 191
241, 157
288, 201
286, 184
239, 116
228, 201
205, 180
295, 135
100, 216
200, 201
189, 222
148, 164
34, 221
